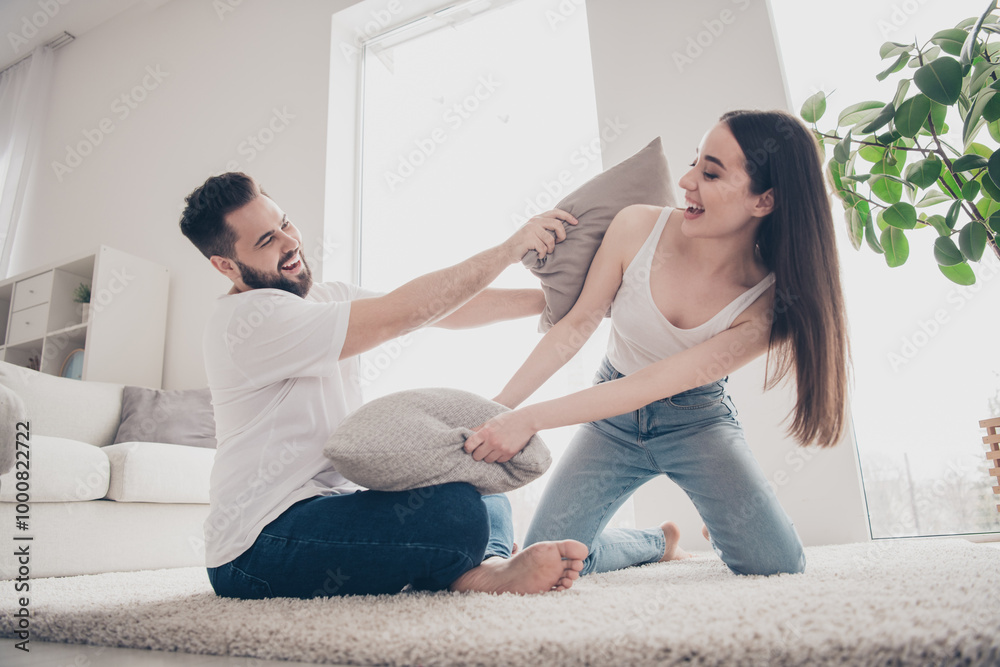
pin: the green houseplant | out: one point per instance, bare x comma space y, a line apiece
922, 162
927, 160
81, 295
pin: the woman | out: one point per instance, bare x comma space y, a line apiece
749, 267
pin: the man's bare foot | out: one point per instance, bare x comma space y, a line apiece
672, 535
542, 567
514, 550
704, 532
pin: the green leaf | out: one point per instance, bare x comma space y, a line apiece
871, 238
901, 89
980, 76
939, 224
950, 40
911, 115
940, 80
895, 245
991, 189
872, 153
991, 111
995, 222
883, 117
993, 167
852, 114
931, 198
901, 215
890, 49
937, 115
970, 190
972, 241
969, 46
814, 107
959, 273
922, 174
946, 252
855, 226
886, 189
899, 64
972, 120
952, 216
968, 163
842, 151
860, 178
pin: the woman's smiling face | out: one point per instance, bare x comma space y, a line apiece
717, 188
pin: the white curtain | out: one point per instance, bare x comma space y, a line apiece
24, 90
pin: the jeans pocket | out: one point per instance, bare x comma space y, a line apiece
696, 401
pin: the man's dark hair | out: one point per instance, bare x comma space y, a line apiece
204, 217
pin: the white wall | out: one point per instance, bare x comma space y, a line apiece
221, 80
671, 69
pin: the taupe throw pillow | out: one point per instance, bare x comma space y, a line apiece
643, 178
415, 438
174, 416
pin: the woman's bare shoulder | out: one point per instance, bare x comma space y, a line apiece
633, 224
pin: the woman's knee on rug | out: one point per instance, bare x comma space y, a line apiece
767, 559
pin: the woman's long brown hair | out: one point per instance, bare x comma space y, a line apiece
797, 242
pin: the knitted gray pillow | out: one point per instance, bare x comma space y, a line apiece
415, 438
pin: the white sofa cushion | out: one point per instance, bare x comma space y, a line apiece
155, 472
61, 470
83, 410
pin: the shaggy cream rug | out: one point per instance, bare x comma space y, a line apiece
930, 602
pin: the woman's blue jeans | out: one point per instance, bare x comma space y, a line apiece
370, 542
695, 439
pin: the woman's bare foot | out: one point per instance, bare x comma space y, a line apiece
704, 532
672, 535
542, 567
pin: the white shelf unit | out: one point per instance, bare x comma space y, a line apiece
122, 338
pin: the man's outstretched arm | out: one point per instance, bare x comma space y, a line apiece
434, 296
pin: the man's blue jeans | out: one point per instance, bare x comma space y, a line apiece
370, 542
695, 439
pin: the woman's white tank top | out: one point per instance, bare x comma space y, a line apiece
640, 334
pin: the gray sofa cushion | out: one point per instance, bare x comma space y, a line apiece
64, 408
174, 416
643, 178
415, 438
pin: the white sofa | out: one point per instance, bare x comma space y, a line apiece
95, 506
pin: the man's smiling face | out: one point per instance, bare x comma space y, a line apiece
268, 250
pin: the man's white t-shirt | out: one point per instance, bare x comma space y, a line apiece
279, 390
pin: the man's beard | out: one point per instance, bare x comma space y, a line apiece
255, 279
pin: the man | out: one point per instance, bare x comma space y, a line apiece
281, 359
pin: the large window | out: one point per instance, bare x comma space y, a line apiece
471, 123
923, 378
